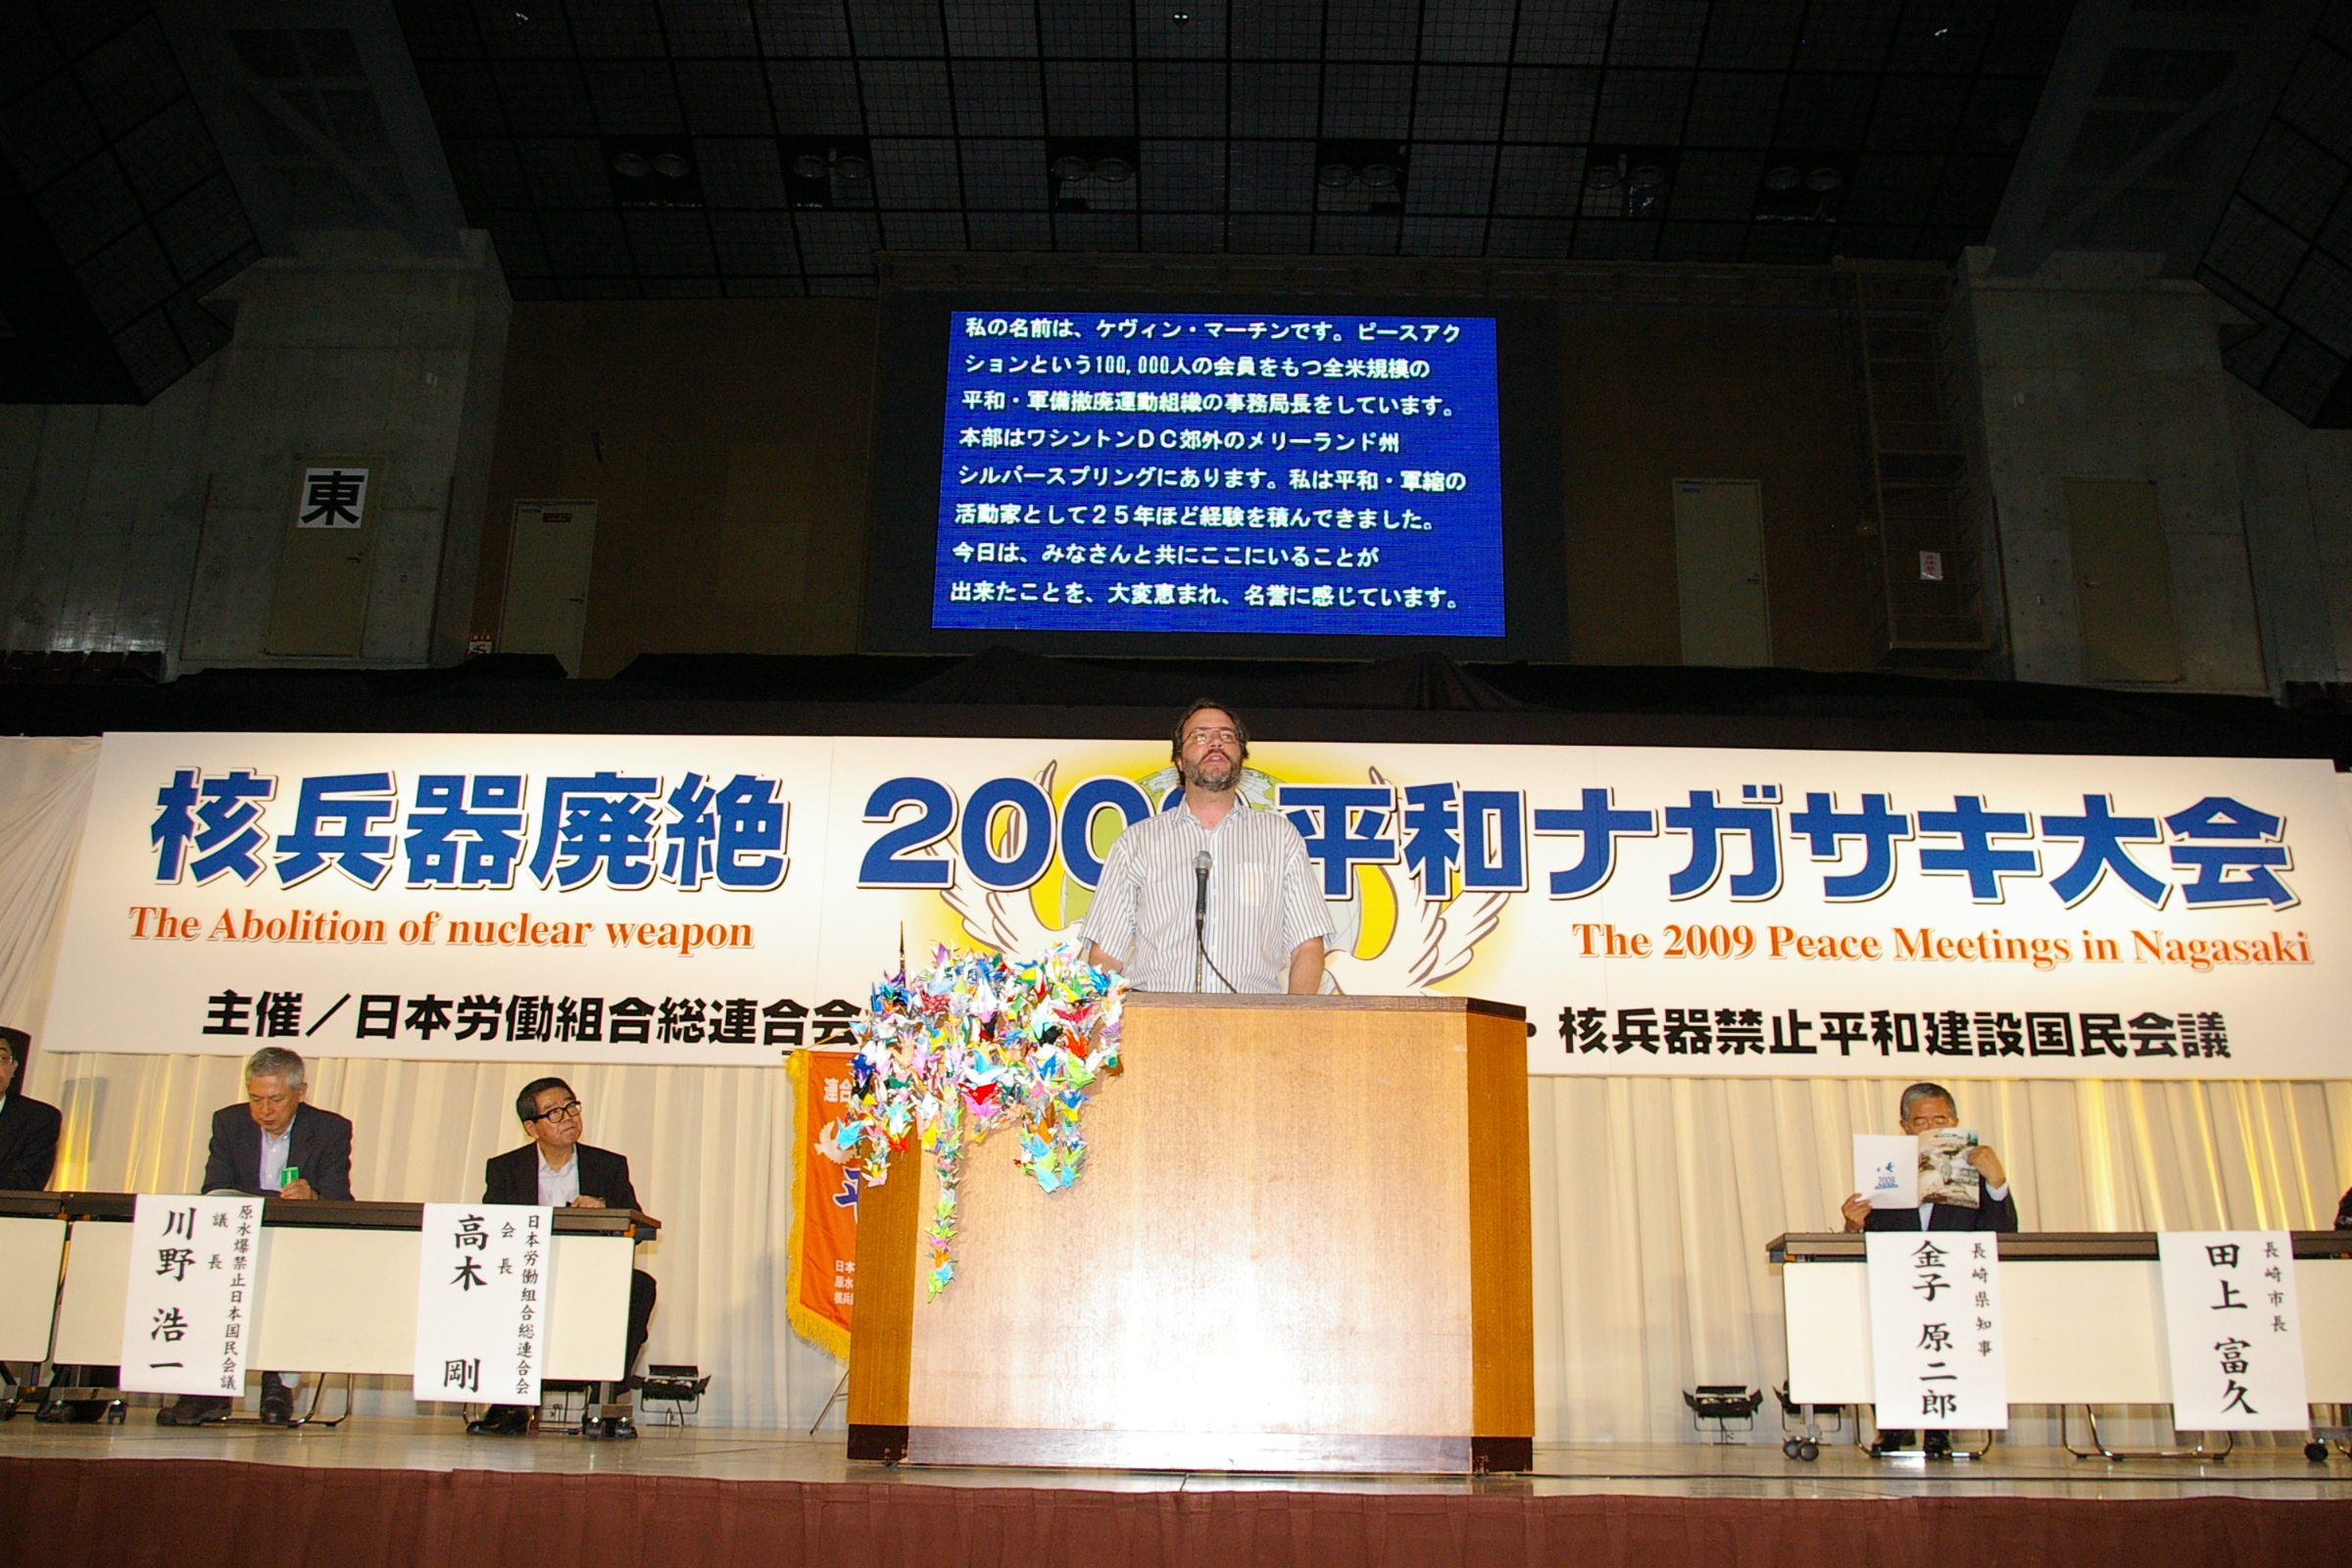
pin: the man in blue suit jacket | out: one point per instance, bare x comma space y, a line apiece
1925, 1108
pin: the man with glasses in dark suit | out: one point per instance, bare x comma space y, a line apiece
557, 1169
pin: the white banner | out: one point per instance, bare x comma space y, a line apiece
725, 898
1935, 1330
482, 1288
194, 1275
2236, 1336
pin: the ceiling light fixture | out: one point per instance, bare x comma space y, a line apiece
633, 166
810, 166
1113, 171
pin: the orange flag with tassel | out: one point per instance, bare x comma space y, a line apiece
825, 1207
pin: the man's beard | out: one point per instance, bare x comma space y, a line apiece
1198, 776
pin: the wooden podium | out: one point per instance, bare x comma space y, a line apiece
1301, 1242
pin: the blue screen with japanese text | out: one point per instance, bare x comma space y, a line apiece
1319, 474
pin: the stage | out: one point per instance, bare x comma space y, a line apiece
394, 1492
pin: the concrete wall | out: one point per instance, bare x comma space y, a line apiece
1649, 397
158, 527
2298, 505
725, 443
100, 511
2095, 368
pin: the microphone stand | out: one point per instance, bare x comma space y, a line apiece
1200, 955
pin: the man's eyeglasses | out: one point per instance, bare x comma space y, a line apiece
1200, 736
567, 1109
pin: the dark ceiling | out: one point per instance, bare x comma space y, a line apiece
116, 216
1634, 129
624, 149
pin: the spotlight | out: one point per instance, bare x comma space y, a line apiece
1803, 185
1646, 177
1380, 177
1336, 176
1113, 171
652, 172
1070, 166
810, 166
1600, 176
852, 167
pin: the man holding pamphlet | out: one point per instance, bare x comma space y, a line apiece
1933, 1176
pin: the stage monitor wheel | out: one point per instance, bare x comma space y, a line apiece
2315, 1452
1808, 1450
1789, 1447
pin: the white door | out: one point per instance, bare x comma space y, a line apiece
548, 557
1719, 564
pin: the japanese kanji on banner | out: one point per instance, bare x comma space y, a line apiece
194, 1279
824, 1209
1936, 1346
2236, 1338
482, 1288
729, 899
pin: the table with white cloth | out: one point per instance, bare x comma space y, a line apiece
2081, 1317
337, 1291
32, 1250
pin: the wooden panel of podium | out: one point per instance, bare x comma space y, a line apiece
1301, 1242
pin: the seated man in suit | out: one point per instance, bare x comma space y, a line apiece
28, 1133
1925, 1108
557, 1169
275, 1145
27, 1127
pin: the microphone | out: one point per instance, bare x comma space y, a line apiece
1200, 923
1199, 915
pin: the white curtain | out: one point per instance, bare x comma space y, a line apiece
44, 793
1653, 1197
707, 1153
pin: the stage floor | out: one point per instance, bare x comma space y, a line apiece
1658, 1470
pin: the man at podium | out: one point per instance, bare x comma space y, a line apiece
1210, 895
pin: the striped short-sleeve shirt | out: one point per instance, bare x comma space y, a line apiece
1264, 901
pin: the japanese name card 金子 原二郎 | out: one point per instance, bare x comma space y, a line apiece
1935, 1330
187, 1314
483, 1275
2236, 1336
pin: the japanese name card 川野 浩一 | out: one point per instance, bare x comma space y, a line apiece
187, 1311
